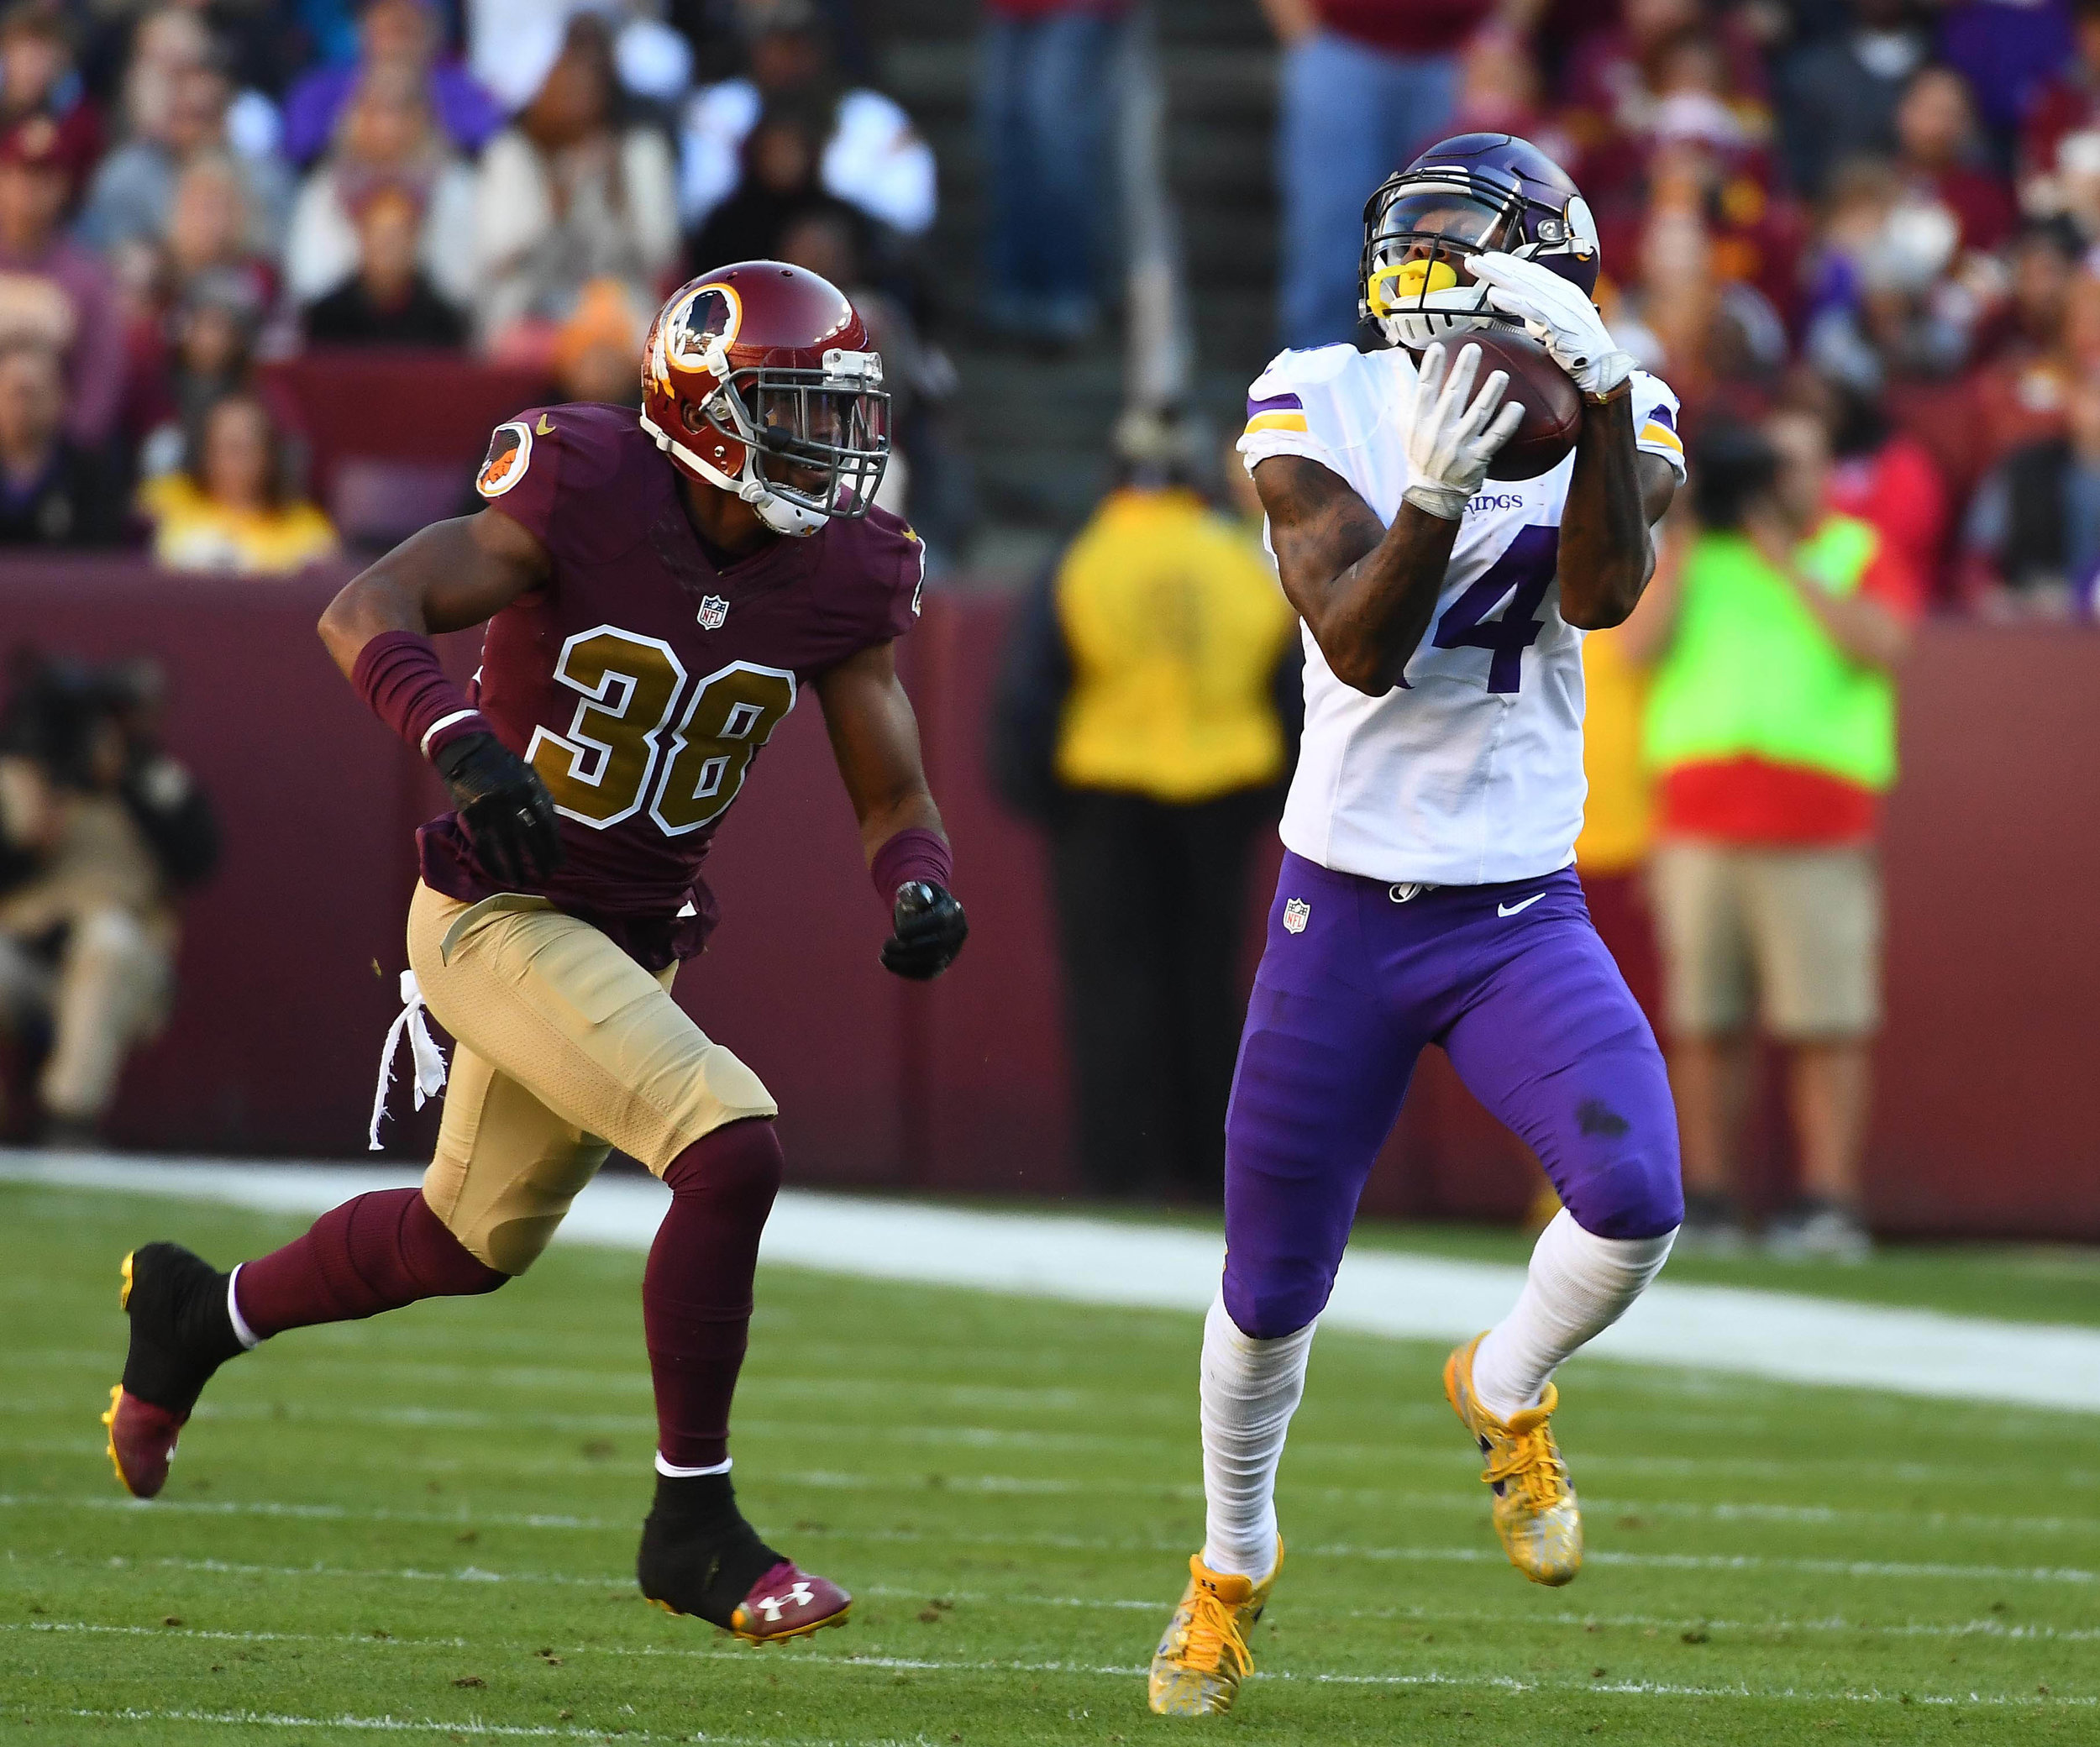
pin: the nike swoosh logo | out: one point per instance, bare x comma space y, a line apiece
545, 428
1511, 910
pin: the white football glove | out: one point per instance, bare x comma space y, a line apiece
1558, 316
1453, 433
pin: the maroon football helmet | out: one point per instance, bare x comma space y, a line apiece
757, 379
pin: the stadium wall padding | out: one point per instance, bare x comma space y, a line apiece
290, 958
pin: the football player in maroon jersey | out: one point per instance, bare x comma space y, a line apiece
657, 591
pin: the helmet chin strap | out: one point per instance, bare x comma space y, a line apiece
777, 513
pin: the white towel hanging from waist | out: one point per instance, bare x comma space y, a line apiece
422, 1049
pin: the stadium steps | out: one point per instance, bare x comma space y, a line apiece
1034, 426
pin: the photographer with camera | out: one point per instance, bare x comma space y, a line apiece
100, 831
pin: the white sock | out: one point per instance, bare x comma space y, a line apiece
670, 1472
1250, 1390
1578, 1286
249, 1339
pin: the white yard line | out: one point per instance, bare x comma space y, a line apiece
1470, 1555
1782, 1336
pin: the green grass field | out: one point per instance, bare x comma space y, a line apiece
426, 1524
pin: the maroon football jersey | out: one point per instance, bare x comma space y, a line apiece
641, 682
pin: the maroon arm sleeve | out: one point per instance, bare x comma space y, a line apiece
398, 674
914, 853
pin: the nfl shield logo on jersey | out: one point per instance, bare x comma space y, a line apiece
713, 610
1297, 912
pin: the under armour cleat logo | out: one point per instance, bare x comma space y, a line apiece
798, 1595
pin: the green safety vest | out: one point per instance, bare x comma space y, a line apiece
1751, 673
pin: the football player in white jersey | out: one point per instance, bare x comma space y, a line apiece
1428, 893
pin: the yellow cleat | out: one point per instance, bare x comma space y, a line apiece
1535, 1509
1203, 1658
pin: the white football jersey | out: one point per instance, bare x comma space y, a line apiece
1470, 772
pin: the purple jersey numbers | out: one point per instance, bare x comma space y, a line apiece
1522, 575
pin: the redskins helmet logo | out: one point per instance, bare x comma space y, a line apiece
510, 452
696, 332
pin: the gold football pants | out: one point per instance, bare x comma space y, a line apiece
566, 1048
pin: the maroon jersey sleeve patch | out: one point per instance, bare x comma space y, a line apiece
522, 472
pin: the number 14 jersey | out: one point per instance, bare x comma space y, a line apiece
1469, 773
642, 679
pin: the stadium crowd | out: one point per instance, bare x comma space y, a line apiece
188, 191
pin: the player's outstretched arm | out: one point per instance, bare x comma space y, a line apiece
1368, 591
450, 575
875, 739
1606, 556
446, 577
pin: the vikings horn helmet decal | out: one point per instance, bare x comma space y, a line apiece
1472, 194
757, 379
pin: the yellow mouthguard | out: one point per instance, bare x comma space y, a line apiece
1403, 281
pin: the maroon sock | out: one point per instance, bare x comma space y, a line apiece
696, 1290
376, 1253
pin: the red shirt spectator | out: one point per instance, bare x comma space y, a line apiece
2067, 103
53, 291
36, 59
1936, 136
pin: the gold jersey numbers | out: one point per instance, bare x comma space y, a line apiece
598, 770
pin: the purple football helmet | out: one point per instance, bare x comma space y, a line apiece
1468, 195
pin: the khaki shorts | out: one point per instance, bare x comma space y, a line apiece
566, 1048
1797, 931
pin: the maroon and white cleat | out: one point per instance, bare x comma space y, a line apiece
785, 1603
141, 1441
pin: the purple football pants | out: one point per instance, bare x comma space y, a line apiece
1514, 983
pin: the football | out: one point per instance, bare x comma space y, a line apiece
1552, 403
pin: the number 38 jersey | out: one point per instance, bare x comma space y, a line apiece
642, 679
1470, 772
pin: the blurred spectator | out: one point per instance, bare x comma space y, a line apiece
52, 290
927, 475
131, 201
385, 138
212, 333
2066, 104
2007, 50
52, 492
597, 354
778, 185
1771, 726
1837, 97
1943, 157
389, 300
397, 48
569, 193
1366, 84
2035, 521
866, 152
1881, 474
1718, 340
100, 831
1885, 309
231, 508
1139, 720
511, 43
2018, 389
1045, 92
38, 78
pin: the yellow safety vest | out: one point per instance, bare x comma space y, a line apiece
1175, 623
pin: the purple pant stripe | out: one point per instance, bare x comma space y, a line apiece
1536, 1019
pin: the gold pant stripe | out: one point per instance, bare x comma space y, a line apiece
566, 1048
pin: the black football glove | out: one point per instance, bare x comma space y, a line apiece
507, 812
928, 931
